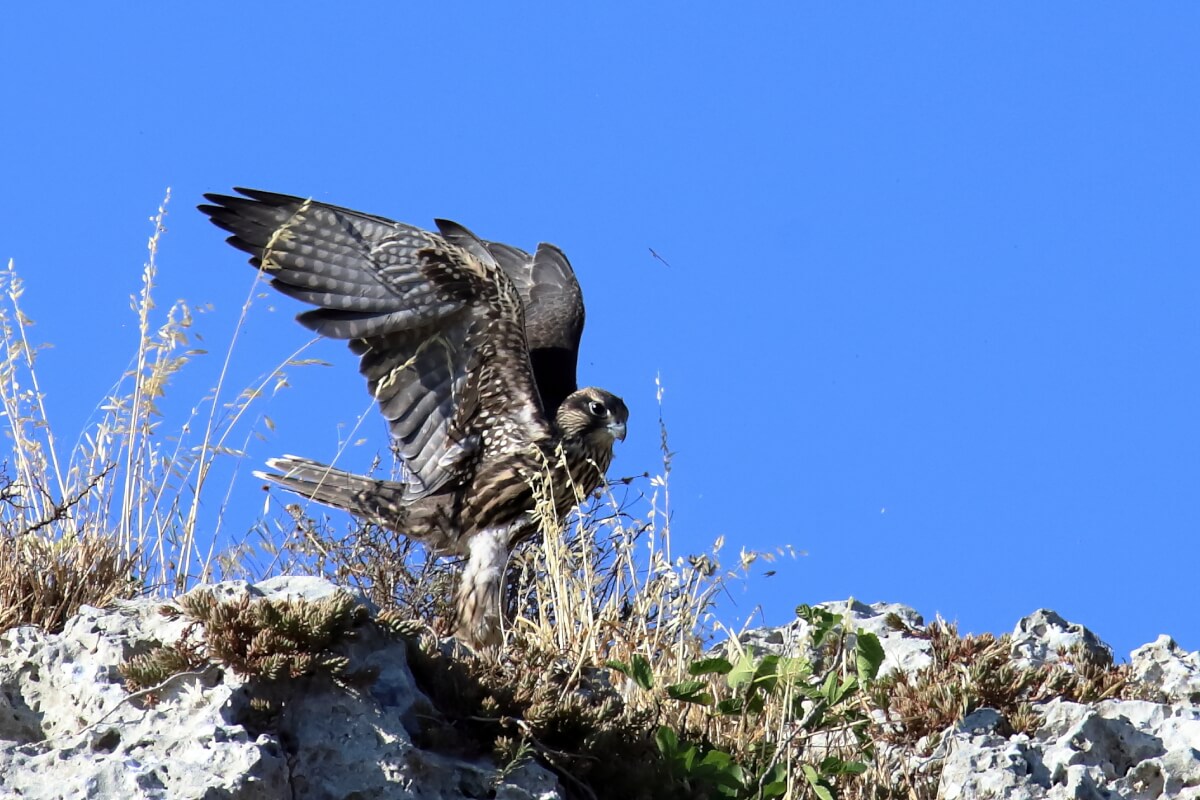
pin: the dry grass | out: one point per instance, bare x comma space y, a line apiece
121, 511
44, 581
393, 571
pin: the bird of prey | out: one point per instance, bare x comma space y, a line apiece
470, 349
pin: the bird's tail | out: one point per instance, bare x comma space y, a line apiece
380, 502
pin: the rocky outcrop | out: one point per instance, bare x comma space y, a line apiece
69, 728
1116, 748
1138, 749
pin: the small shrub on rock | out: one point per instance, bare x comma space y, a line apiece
259, 639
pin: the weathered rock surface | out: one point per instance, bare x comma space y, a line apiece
1040, 637
1172, 675
1126, 749
1115, 749
69, 729
1134, 749
904, 650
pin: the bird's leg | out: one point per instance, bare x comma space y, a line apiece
478, 600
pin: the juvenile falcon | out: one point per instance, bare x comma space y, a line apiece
470, 348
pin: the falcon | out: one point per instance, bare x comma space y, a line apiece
470, 349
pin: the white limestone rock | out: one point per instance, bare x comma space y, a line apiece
905, 652
1137, 749
69, 730
987, 765
1040, 637
1168, 674
1112, 749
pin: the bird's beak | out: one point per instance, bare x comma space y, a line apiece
617, 429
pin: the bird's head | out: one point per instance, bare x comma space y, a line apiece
594, 415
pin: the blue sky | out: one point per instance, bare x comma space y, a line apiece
932, 309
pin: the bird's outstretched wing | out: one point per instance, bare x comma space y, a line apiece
553, 308
438, 324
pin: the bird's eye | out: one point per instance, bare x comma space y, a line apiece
597, 408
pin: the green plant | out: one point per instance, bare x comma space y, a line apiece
768, 719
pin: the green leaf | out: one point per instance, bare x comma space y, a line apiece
794, 671
710, 666
717, 758
718, 767
766, 674
667, 741
619, 666
767, 665
831, 765
808, 691
737, 776
687, 758
690, 692
730, 706
868, 656
774, 782
847, 688
774, 789
640, 671
742, 672
819, 785
821, 620
829, 688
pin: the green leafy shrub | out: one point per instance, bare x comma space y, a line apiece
767, 720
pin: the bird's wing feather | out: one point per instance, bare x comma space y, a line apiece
439, 327
553, 301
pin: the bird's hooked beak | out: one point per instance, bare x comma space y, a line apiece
617, 429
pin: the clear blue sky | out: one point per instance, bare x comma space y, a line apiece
932, 313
